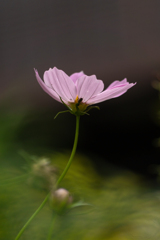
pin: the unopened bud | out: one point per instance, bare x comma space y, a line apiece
60, 200
43, 174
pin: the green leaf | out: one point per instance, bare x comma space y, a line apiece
80, 204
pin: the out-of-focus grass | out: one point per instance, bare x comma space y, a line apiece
122, 206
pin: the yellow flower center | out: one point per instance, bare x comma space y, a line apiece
78, 104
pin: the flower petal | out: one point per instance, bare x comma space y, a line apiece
109, 93
61, 83
46, 88
76, 75
88, 87
117, 83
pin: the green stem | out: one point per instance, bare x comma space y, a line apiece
73, 151
58, 181
31, 218
51, 227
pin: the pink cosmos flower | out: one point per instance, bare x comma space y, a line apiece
79, 91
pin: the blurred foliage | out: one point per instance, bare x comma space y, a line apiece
9, 122
122, 206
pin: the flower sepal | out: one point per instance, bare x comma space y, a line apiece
61, 112
78, 108
92, 107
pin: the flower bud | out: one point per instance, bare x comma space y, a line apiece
60, 200
43, 174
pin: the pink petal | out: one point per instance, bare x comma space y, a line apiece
46, 88
61, 83
111, 93
118, 83
76, 75
88, 87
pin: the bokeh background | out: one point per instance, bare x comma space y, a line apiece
113, 40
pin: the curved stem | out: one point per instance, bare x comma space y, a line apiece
58, 181
31, 218
73, 151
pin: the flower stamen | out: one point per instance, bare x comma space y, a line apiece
77, 99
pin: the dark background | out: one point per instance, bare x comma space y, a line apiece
111, 39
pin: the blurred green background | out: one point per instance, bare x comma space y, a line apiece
116, 167
123, 205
